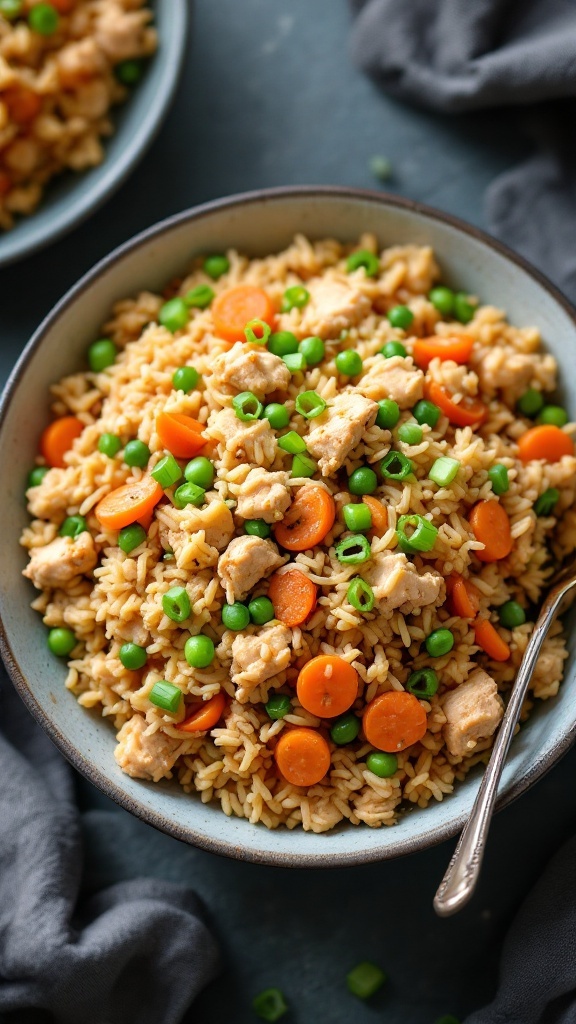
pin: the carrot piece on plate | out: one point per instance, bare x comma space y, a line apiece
462, 414
129, 503
394, 720
488, 638
234, 308
456, 347
545, 442
57, 439
327, 686
491, 526
310, 517
293, 595
207, 715
179, 434
302, 756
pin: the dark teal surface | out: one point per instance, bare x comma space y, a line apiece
269, 97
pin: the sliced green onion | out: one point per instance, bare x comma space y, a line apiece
363, 258
353, 550
167, 472
357, 517
270, 1005
73, 526
364, 980
292, 443
189, 494
423, 683
295, 361
309, 404
360, 595
295, 298
444, 470
176, 604
421, 536
303, 465
166, 696
131, 537
395, 466
410, 433
547, 502
498, 476
247, 407
200, 296
257, 331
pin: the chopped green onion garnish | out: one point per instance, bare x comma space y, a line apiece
295, 362
310, 404
498, 476
395, 466
357, 517
131, 537
247, 407
292, 442
167, 472
189, 494
353, 550
257, 332
416, 534
444, 470
365, 979
295, 298
176, 604
303, 465
166, 696
423, 683
360, 595
547, 502
270, 1004
200, 296
363, 258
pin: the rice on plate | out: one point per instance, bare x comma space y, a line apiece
300, 512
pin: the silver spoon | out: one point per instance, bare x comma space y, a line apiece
463, 871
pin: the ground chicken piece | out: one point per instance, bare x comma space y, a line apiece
502, 367
247, 442
398, 584
250, 368
339, 429
473, 712
57, 563
396, 378
245, 562
145, 757
264, 496
334, 307
215, 519
256, 658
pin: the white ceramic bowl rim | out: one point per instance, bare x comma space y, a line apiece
428, 837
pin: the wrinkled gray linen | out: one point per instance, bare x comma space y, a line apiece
136, 951
460, 55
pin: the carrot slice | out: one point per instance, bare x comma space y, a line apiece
57, 439
464, 598
207, 715
491, 526
461, 414
180, 434
394, 720
327, 686
490, 641
379, 515
233, 309
293, 595
23, 104
545, 442
303, 756
128, 504
310, 517
457, 348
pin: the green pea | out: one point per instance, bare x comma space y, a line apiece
401, 316
109, 445
101, 354
283, 343
345, 729
129, 72
410, 433
10, 9
270, 1004
388, 414
381, 764
393, 348
44, 19
189, 494
426, 412
553, 414
295, 298
199, 651
362, 481
73, 526
278, 706
185, 379
131, 537
365, 979
200, 471
440, 642
132, 656
261, 610
215, 266
442, 299
36, 476
235, 616
199, 297
257, 528
530, 403
349, 363
136, 453
511, 614
313, 350
277, 415
61, 641
173, 315
463, 309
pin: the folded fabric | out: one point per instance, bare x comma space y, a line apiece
137, 951
459, 55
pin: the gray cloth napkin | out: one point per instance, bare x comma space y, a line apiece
137, 951
461, 55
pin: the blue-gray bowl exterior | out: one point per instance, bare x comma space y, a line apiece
257, 223
70, 198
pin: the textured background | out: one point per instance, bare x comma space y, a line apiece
269, 97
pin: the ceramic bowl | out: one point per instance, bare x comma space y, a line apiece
71, 198
257, 223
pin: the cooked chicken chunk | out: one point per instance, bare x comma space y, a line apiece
145, 757
250, 368
398, 584
396, 378
473, 712
339, 429
245, 562
61, 560
123, 34
502, 367
264, 496
256, 658
334, 306
247, 442
179, 532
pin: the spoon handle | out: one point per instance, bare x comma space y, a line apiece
463, 871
